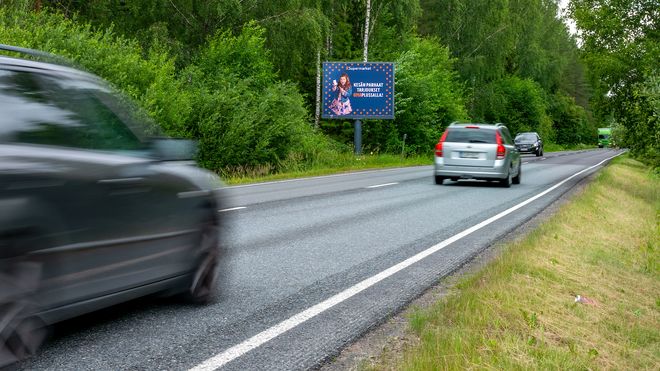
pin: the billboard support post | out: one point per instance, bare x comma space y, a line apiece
357, 137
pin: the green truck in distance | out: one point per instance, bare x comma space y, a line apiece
604, 136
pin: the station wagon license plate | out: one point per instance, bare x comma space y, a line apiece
469, 155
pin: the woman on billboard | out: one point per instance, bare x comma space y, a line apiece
341, 105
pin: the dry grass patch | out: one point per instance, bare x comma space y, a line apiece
520, 311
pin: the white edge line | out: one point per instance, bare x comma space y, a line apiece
382, 185
323, 177
232, 209
238, 350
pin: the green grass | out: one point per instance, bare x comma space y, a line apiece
552, 147
519, 312
340, 163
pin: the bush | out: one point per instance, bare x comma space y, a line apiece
570, 121
241, 114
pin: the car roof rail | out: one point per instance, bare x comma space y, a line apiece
455, 123
48, 57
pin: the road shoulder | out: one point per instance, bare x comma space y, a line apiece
393, 335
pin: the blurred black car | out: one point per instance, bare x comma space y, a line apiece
95, 207
529, 143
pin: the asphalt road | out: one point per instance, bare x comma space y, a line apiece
297, 250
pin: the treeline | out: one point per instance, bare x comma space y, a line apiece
621, 47
240, 75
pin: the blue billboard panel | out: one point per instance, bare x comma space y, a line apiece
358, 90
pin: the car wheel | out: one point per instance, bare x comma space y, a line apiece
21, 333
518, 177
506, 182
538, 152
203, 284
439, 179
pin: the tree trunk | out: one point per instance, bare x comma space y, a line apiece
317, 116
365, 54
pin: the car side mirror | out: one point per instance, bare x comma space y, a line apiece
168, 149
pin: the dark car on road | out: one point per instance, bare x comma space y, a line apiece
96, 207
529, 143
477, 151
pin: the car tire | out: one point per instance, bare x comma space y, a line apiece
439, 179
202, 287
538, 152
518, 177
21, 332
506, 182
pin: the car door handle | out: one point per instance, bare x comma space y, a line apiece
120, 181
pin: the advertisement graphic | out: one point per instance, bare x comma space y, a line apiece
358, 90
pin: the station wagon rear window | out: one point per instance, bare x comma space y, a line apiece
462, 135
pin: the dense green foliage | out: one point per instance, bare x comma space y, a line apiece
228, 98
622, 49
240, 75
519, 63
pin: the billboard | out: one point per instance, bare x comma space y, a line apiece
358, 90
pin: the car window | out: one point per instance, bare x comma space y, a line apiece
43, 109
463, 135
507, 136
526, 137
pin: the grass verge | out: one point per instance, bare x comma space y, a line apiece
552, 147
520, 311
341, 163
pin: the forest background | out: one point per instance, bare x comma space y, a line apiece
239, 76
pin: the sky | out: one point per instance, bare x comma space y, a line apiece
563, 4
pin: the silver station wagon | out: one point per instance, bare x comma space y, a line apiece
477, 151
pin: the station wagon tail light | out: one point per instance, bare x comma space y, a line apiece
501, 151
438, 147
472, 127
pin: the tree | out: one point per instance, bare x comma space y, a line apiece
427, 99
621, 45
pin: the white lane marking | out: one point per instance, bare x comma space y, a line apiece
323, 177
525, 163
232, 209
382, 185
263, 337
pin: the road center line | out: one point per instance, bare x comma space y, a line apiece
263, 337
232, 209
382, 185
